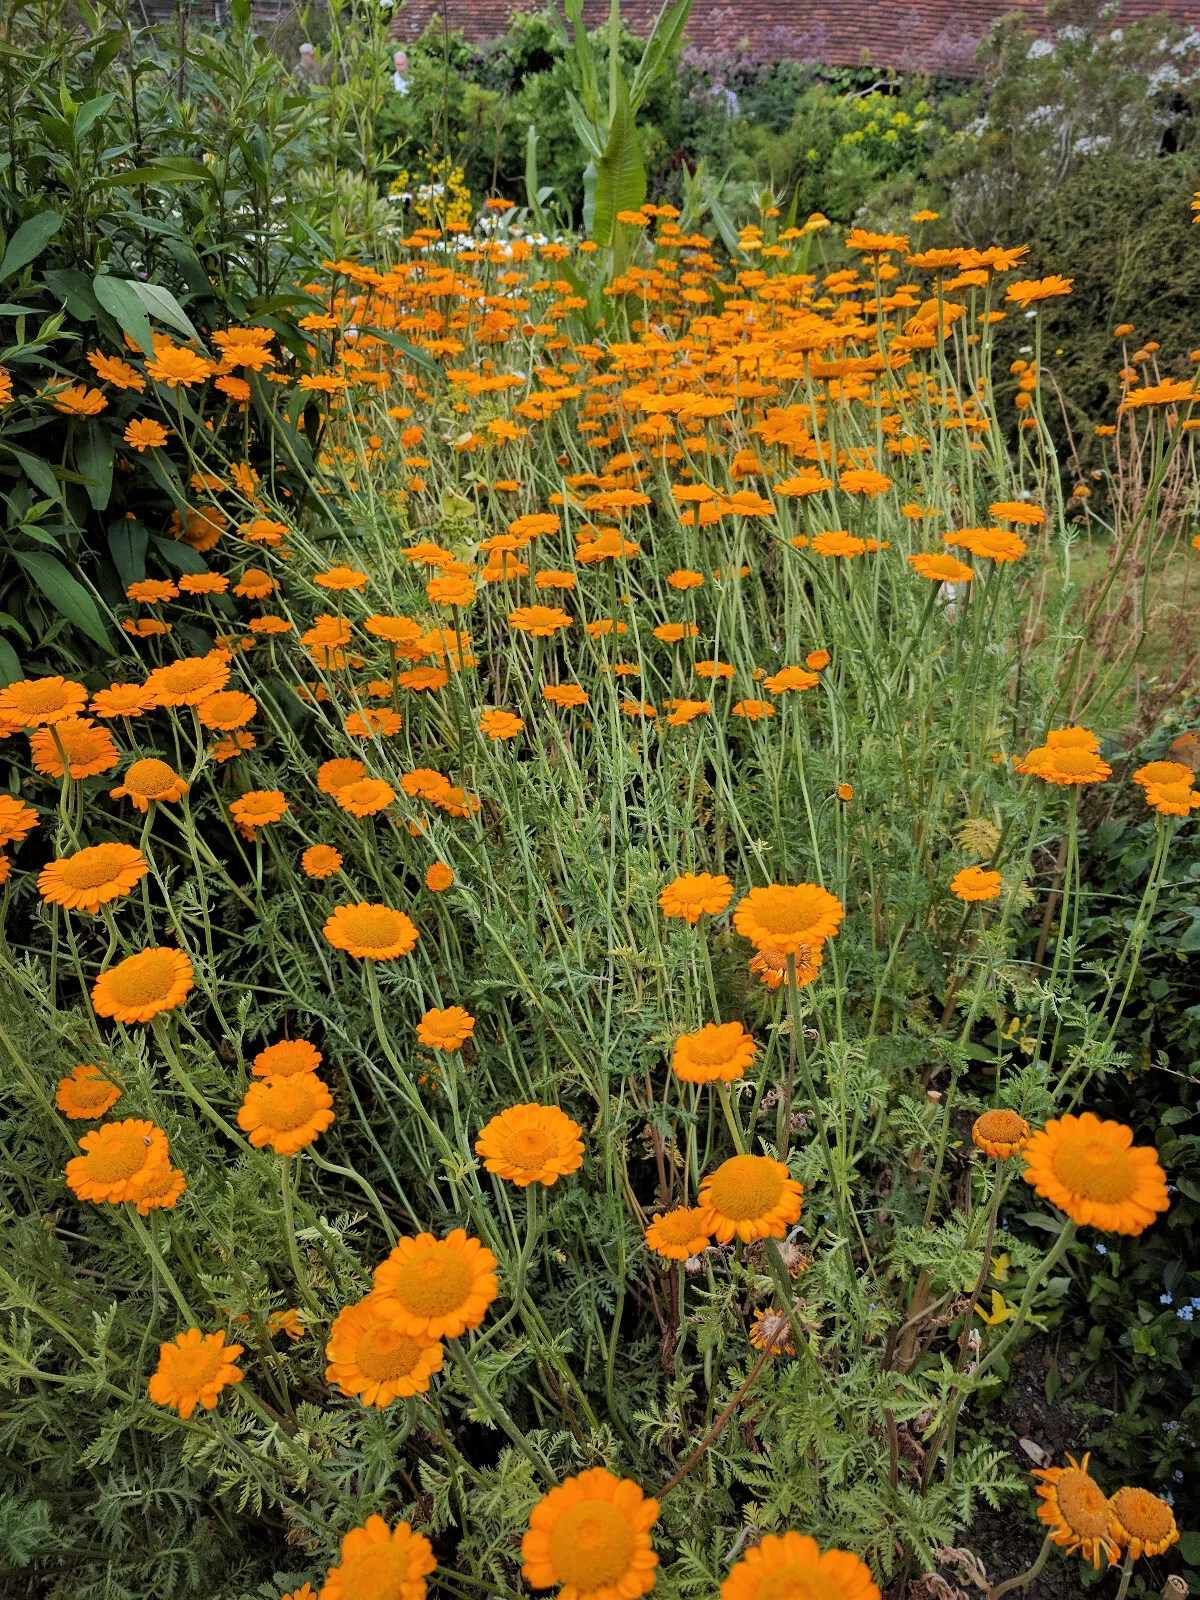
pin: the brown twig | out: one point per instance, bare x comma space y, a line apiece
717, 1428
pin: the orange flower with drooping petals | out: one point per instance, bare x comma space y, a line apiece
1076, 1510
85, 1093
500, 725
1141, 1522
258, 808
150, 781
1000, 1133
192, 1370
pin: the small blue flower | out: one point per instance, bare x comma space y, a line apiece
1166, 1299
1185, 1313
1101, 1249
1168, 1496
1194, 1302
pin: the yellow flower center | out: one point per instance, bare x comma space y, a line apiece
435, 1282
796, 1581
713, 1047
377, 1573
89, 1089
288, 1103
1095, 1169
143, 978
1143, 1515
786, 910
383, 1352
744, 1187
1083, 1503
592, 1545
118, 1155
678, 1227
185, 676
1001, 1127
373, 927
149, 778
1073, 762
197, 1365
42, 696
527, 1148
90, 868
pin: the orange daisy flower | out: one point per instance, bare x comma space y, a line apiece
192, 1370
438, 1288
370, 1358
752, 1197
531, 1144
591, 1537
138, 988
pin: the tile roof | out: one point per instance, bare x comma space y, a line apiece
928, 35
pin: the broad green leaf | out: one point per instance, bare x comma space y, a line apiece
89, 112
620, 175
127, 542
39, 473
586, 76
180, 555
30, 239
64, 592
161, 303
74, 289
121, 300
10, 665
94, 460
168, 169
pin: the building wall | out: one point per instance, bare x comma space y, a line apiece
934, 36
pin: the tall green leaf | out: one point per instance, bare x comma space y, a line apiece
94, 460
620, 174
30, 239
64, 592
665, 38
